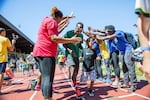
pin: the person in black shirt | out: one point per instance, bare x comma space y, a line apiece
89, 55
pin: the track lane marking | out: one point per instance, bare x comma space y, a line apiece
33, 95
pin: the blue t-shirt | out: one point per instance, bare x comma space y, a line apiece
121, 43
96, 48
111, 46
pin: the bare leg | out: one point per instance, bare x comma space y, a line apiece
91, 85
70, 72
1, 80
39, 79
38, 85
143, 30
147, 76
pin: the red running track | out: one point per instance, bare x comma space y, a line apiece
19, 89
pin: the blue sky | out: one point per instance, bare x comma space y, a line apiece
26, 15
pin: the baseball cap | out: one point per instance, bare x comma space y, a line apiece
110, 28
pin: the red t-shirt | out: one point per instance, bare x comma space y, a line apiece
44, 47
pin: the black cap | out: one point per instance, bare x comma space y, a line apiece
110, 28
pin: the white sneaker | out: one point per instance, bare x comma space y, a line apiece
116, 83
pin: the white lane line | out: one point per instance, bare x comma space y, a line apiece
20, 80
142, 96
68, 80
33, 95
3, 90
128, 95
124, 90
119, 97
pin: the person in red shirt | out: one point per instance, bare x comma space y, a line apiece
45, 48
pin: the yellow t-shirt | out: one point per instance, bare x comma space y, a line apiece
104, 50
4, 45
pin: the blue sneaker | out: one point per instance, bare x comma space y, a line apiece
108, 81
99, 79
104, 80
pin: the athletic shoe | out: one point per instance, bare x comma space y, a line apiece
78, 93
100, 79
116, 83
37, 87
124, 86
90, 93
55, 90
80, 98
108, 81
132, 89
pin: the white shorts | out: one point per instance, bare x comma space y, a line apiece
70, 62
85, 75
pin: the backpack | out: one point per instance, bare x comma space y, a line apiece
131, 40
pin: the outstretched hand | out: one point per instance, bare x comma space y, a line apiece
91, 29
13, 41
76, 39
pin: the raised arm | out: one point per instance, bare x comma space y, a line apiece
108, 37
64, 22
12, 47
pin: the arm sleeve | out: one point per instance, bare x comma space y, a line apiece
52, 27
8, 43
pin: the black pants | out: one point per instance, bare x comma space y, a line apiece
98, 68
114, 58
47, 69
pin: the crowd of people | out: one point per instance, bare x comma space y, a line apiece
108, 46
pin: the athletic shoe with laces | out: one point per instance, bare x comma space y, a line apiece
124, 86
37, 87
132, 89
100, 79
78, 93
108, 80
116, 83
90, 93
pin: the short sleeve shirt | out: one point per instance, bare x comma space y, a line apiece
89, 56
73, 47
104, 50
44, 47
4, 45
121, 43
